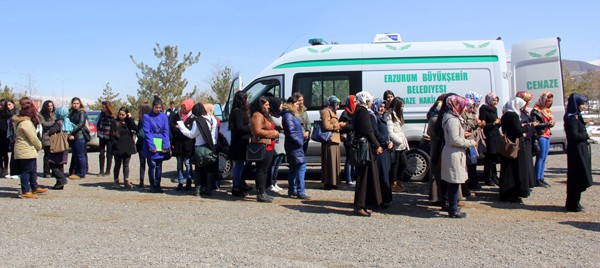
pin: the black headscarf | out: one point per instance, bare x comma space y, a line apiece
575, 100
274, 104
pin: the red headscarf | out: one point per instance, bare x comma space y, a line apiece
350, 104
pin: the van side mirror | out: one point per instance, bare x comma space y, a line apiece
218, 111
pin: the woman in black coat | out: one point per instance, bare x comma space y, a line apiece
579, 160
384, 160
367, 177
514, 181
239, 124
529, 126
491, 130
121, 133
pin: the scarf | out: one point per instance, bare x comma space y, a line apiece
350, 104
515, 105
489, 99
543, 107
575, 100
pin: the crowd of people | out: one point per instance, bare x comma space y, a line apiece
271, 130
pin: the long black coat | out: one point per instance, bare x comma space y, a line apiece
180, 144
367, 177
527, 144
490, 130
579, 160
239, 124
121, 134
384, 160
514, 180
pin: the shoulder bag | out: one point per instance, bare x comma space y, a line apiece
319, 134
256, 152
507, 148
59, 142
204, 156
361, 155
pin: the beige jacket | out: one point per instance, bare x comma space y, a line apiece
27, 143
454, 156
331, 123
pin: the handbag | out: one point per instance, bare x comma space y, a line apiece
204, 156
256, 152
508, 148
59, 142
86, 134
319, 134
361, 155
472, 156
535, 146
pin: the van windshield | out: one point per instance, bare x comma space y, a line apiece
260, 88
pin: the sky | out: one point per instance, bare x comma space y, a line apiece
74, 48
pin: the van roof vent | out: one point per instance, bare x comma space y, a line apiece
317, 41
387, 38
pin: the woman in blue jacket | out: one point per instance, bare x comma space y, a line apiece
156, 143
294, 143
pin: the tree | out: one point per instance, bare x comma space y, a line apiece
571, 84
219, 82
166, 80
7, 93
110, 96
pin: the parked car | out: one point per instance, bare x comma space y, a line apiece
94, 143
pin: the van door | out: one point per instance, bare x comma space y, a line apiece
536, 68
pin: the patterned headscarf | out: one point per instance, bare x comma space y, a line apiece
333, 101
489, 99
375, 107
474, 96
515, 105
543, 106
526, 96
470, 104
456, 105
350, 104
364, 98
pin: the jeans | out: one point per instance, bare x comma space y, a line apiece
154, 172
28, 174
540, 160
78, 157
348, 168
277, 159
121, 159
184, 175
238, 167
453, 196
296, 179
105, 147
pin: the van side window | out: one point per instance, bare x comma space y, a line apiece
317, 87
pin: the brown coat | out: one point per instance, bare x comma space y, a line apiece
331, 123
262, 131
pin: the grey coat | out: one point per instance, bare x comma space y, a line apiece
454, 159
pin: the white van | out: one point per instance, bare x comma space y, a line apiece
418, 72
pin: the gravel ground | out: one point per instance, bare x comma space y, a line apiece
89, 224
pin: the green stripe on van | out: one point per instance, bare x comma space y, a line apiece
415, 121
412, 60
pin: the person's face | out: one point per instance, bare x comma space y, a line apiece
122, 115
389, 98
583, 107
103, 108
300, 102
172, 105
75, 104
495, 102
266, 107
382, 108
50, 106
281, 107
157, 108
549, 102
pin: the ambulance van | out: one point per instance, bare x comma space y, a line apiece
416, 71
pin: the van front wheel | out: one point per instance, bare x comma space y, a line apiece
417, 165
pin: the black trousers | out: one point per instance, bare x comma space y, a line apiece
490, 171
398, 166
121, 160
105, 154
58, 172
262, 169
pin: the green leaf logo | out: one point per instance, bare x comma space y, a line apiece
405, 47
543, 55
484, 45
468, 45
325, 50
551, 52
535, 55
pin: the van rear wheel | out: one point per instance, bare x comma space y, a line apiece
417, 165
225, 166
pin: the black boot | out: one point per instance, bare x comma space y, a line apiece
188, 186
179, 187
236, 191
263, 197
197, 191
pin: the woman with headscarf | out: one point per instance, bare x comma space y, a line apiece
46, 118
346, 137
438, 188
474, 126
453, 166
27, 145
330, 151
489, 114
205, 132
380, 128
542, 114
579, 160
514, 183
7, 137
529, 127
275, 111
367, 177
58, 160
182, 146
395, 125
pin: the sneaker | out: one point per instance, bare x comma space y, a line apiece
303, 196
29, 195
74, 177
352, 183
15, 177
272, 189
40, 190
277, 187
457, 215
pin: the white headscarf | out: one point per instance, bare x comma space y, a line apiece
364, 99
515, 105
